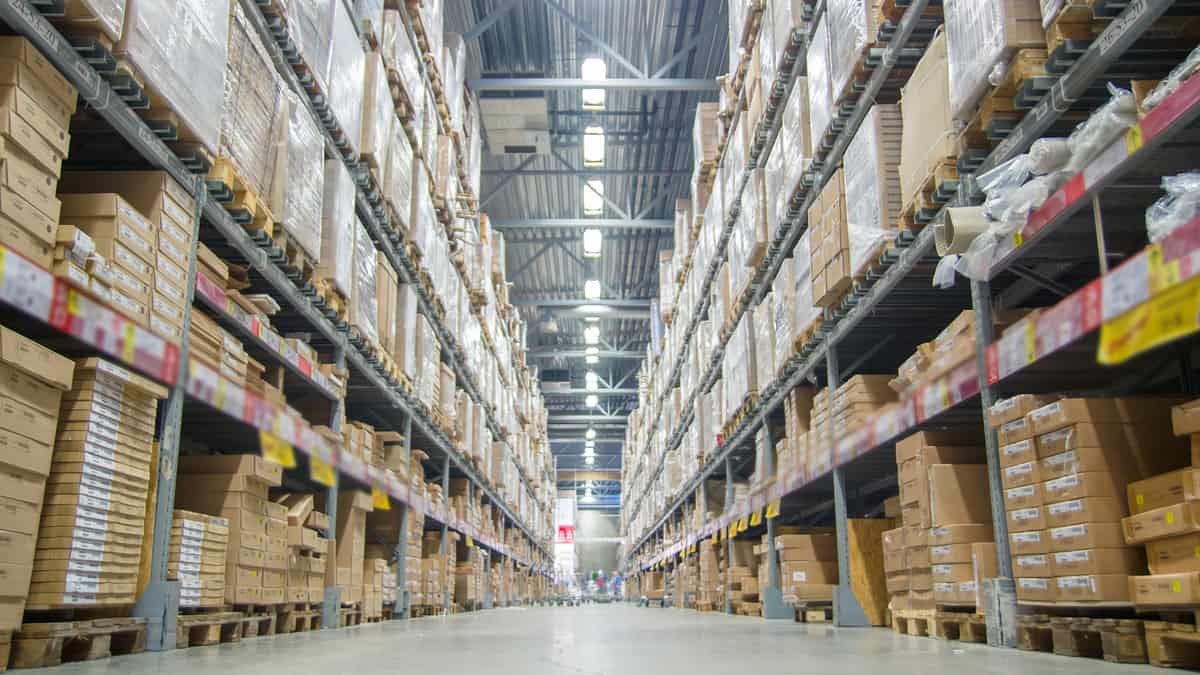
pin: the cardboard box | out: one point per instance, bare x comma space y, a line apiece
1012, 432
1008, 409
1163, 490
1166, 521
250, 465
1020, 452
909, 446
952, 572
1026, 519
808, 573
1086, 484
960, 534
958, 493
949, 554
1034, 541
1023, 496
1086, 535
1033, 565
1185, 418
1093, 588
1088, 460
1088, 561
1083, 435
1017, 475
1032, 589
985, 566
1174, 555
809, 546
1084, 510
1067, 411
1166, 589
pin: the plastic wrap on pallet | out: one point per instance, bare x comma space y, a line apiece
398, 179
929, 136
429, 354
365, 307
872, 184
738, 367
105, 16
400, 57
179, 49
849, 34
310, 25
820, 95
731, 168
454, 74
337, 227
768, 50
783, 313
666, 282
377, 113
737, 25
347, 64
422, 219
1050, 10
370, 17
806, 310
981, 36
764, 342
474, 150
298, 201
255, 114
406, 330
432, 122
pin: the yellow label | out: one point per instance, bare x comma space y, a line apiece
380, 499
1169, 315
1018, 238
128, 344
1133, 139
470, 542
732, 531
1030, 342
1197, 551
1170, 517
743, 524
275, 449
219, 394
72, 297
773, 510
321, 472
1140, 499
1176, 587
756, 518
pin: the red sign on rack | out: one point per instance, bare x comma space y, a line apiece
566, 534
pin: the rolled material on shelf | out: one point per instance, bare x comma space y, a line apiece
958, 229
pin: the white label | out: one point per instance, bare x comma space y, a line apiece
1069, 532
127, 303
1004, 405
1085, 582
1033, 583
86, 556
1058, 436
1018, 447
1027, 537
1014, 426
167, 309
800, 577
133, 214
943, 587
130, 260
170, 291
1061, 458
170, 269
130, 235
1021, 492
1031, 561
939, 532
1072, 556
939, 550
1025, 514
1045, 411
1064, 483
941, 569
170, 249
966, 587
1019, 470
1073, 506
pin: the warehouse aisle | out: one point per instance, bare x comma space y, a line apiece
596, 640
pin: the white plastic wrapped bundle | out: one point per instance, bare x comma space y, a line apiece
1180, 206
310, 24
764, 345
365, 314
400, 57
337, 227
423, 218
1179, 74
872, 183
848, 25
732, 165
255, 114
784, 313
820, 95
737, 24
1104, 126
106, 16
370, 17
454, 74
406, 329
298, 204
429, 352
347, 63
806, 310
398, 179
768, 50
738, 368
429, 133
179, 49
981, 36
378, 112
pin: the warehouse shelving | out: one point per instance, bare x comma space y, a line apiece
53, 307
1041, 338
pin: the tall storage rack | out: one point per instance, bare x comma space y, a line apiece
875, 311
200, 402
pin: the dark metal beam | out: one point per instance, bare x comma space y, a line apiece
582, 223
543, 83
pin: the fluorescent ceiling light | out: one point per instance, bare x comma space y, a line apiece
593, 197
591, 401
593, 146
592, 351
593, 241
590, 434
593, 309
592, 289
591, 360
591, 335
593, 68
587, 496
591, 381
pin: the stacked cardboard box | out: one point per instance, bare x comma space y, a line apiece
307, 548
196, 558
358, 440
235, 487
929, 134
375, 572
98, 490
347, 571
1065, 465
859, 399
820, 436
709, 584
872, 189
829, 243
32, 382
217, 348
413, 581
36, 104
807, 566
896, 568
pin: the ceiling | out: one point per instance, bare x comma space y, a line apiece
648, 164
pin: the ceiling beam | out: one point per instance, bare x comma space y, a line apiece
581, 223
629, 303
613, 419
574, 351
586, 32
573, 391
543, 83
487, 21
585, 173
565, 475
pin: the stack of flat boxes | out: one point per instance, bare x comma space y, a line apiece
358, 440
98, 490
36, 104
807, 566
32, 382
415, 522
347, 573
307, 548
709, 589
829, 244
896, 569
819, 439
741, 584
170, 210
235, 487
433, 569
944, 504
196, 558
859, 398
374, 571
468, 576
1066, 465
214, 346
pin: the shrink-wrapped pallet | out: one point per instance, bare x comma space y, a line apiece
337, 228
364, 308
981, 36
347, 65
255, 116
764, 342
179, 51
851, 31
929, 137
398, 179
807, 312
783, 313
297, 202
739, 368
370, 17
378, 113
99, 16
402, 61
310, 25
386, 289
872, 184
454, 73
820, 83
406, 330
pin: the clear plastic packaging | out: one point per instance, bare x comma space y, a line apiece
820, 96
1178, 76
872, 184
378, 112
1048, 155
1180, 206
806, 310
347, 64
298, 205
1104, 126
768, 50
784, 311
981, 35
364, 303
255, 114
337, 228
848, 39
108, 16
454, 73
398, 179
310, 24
1001, 182
764, 346
180, 49
370, 17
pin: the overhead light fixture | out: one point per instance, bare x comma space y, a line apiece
590, 434
593, 68
593, 197
589, 446
591, 381
593, 146
593, 309
591, 360
593, 241
591, 401
588, 496
591, 335
592, 289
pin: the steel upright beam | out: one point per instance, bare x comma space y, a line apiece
773, 607
729, 540
846, 609
330, 614
1002, 626
445, 531
159, 604
402, 608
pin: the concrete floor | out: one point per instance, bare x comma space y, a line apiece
597, 640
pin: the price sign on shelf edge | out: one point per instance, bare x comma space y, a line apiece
277, 450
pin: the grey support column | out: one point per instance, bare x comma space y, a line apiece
773, 606
999, 594
401, 609
330, 614
729, 495
446, 571
846, 609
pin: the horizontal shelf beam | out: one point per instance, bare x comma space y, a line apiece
583, 223
634, 83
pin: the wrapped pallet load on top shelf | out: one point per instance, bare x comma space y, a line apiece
179, 51
929, 138
378, 112
872, 186
347, 65
301, 180
852, 28
363, 304
338, 229
387, 285
91, 17
310, 22
981, 36
402, 62
820, 84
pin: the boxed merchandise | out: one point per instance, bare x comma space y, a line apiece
1167, 589
929, 134
981, 36
820, 81
296, 202
364, 307
872, 190
338, 224
853, 25
196, 558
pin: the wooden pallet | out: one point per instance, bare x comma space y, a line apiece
935, 191
810, 612
919, 622
257, 620
210, 628
297, 617
739, 416
244, 204
426, 610
350, 614
35, 645
964, 626
292, 258
1116, 640
335, 302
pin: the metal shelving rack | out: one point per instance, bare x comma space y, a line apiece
194, 389
857, 456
